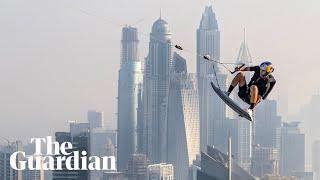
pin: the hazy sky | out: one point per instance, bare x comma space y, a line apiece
57, 62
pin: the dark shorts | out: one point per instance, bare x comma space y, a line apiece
244, 93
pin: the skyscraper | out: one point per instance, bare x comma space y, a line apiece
130, 78
34, 174
79, 137
316, 159
267, 136
155, 91
183, 118
6, 171
81, 143
208, 41
212, 109
102, 143
64, 173
292, 149
95, 119
268, 125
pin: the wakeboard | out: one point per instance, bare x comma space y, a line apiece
234, 106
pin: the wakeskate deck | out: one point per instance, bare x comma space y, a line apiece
234, 106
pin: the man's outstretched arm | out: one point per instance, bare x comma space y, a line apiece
250, 68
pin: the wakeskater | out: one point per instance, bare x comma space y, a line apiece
259, 87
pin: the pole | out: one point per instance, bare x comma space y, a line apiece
229, 157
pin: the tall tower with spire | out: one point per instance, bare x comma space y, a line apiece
155, 91
244, 55
212, 109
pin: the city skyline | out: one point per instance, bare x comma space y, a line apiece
110, 122
108, 105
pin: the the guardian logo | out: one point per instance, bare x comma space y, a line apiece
59, 157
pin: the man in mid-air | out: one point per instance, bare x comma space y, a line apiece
259, 86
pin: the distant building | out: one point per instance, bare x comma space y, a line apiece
102, 143
79, 137
33, 174
292, 149
160, 172
137, 168
81, 142
64, 173
130, 79
265, 161
95, 119
316, 159
211, 107
268, 125
214, 166
114, 176
215, 120
309, 114
155, 92
232, 127
267, 136
6, 172
183, 119
78, 128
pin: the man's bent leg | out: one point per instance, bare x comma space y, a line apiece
238, 79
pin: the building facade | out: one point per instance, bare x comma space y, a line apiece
6, 172
95, 119
268, 125
292, 149
155, 91
130, 78
79, 137
212, 109
102, 143
183, 118
34, 174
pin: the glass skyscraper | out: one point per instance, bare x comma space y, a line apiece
130, 78
183, 118
155, 91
